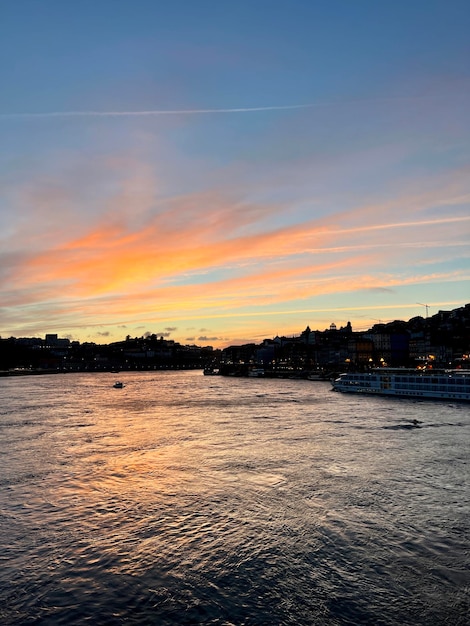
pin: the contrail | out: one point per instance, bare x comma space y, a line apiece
153, 112
157, 112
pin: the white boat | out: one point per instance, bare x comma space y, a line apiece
407, 383
209, 371
256, 372
118, 385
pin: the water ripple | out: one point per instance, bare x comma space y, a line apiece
186, 500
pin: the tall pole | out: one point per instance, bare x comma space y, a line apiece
426, 305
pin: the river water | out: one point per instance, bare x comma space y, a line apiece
191, 499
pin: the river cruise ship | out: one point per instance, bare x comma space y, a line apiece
407, 383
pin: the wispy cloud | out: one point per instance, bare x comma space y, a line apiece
247, 109
137, 256
201, 234
156, 112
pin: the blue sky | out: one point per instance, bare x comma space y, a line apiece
153, 176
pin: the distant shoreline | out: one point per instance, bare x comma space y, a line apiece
41, 372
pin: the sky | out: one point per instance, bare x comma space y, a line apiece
221, 172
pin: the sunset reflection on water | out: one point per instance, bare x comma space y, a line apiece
182, 498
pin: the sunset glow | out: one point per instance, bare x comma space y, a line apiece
166, 181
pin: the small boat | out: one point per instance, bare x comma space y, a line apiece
118, 385
209, 371
316, 376
256, 372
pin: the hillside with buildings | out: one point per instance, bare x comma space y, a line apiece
442, 340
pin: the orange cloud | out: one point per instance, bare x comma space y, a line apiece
114, 256
210, 254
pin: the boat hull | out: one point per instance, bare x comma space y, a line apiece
448, 385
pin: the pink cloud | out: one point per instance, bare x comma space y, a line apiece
123, 259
